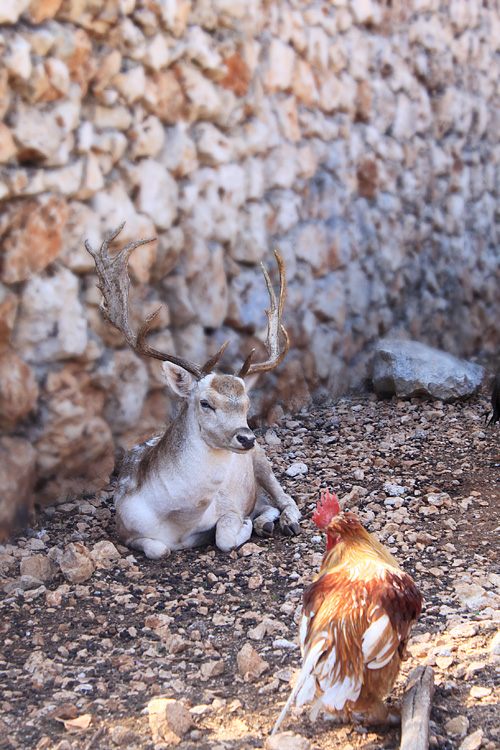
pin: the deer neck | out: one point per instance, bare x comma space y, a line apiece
183, 449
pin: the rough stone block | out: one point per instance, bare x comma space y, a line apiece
410, 368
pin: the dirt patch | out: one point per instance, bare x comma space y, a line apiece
424, 479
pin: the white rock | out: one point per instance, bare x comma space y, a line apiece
148, 138
287, 741
66, 180
212, 669
131, 84
205, 101
158, 54
494, 647
296, 469
281, 60
209, 292
76, 563
458, 725
104, 554
250, 664
362, 10
410, 367
92, 180
251, 244
281, 167
17, 58
10, 10
212, 146
157, 195
51, 323
118, 118
39, 566
58, 75
168, 717
179, 151
473, 741
125, 401
37, 134
200, 49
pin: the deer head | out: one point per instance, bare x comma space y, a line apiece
220, 401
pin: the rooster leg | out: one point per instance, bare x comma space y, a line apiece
370, 709
338, 717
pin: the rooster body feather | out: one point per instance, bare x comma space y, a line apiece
356, 620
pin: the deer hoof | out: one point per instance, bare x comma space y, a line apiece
267, 529
154, 549
291, 529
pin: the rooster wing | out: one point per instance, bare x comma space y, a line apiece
351, 626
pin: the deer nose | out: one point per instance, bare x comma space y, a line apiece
246, 439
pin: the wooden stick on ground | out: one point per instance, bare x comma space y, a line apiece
416, 709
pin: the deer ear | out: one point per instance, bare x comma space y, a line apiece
179, 380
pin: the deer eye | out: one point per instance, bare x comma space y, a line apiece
206, 405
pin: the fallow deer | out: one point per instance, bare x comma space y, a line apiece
206, 473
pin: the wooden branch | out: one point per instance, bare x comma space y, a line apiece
416, 709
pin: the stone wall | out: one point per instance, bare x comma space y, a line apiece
359, 138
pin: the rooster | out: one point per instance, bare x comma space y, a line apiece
356, 620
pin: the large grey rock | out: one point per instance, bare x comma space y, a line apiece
410, 368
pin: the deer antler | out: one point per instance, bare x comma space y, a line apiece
114, 284
274, 328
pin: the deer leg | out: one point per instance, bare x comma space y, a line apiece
263, 523
289, 513
231, 531
152, 548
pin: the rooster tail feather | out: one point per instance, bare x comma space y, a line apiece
305, 672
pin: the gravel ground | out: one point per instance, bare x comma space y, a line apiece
92, 633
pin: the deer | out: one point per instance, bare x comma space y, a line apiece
206, 474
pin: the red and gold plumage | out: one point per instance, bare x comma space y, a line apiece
356, 620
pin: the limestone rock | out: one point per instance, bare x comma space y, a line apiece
251, 244
76, 563
32, 237
280, 66
12, 9
287, 741
8, 310
82, 224
114, 206
37, 134
157, 193
17, 479
473, 741
42, 10
458, 725
250, 664
104, 554
168, 719
211, 669
410, 368
7, 146
204, 100
127, 374
18, 389
74, 448
146, 138
51, 323
209, 291
494, 647
164, 96
38, 566
212, 146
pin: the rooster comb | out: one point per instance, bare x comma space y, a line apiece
327, 508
